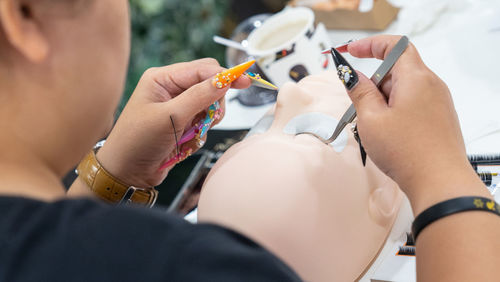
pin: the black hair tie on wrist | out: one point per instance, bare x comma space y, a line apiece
450, 207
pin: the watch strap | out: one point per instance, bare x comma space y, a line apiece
109, 188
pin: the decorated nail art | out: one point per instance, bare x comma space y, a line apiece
178, 158
214, 113
341, 47
344, 70
200, 128
226, 77
189, 135
258, 81
345, 73
197, 132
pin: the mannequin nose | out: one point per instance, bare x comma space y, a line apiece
293, 96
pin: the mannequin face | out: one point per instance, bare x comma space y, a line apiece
314, 205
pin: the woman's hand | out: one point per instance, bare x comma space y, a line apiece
411, 131
143, 138
410, 128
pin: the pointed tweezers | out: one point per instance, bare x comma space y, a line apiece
377, 78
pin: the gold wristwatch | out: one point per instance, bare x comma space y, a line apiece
110, 189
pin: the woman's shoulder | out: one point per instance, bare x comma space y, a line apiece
98, 241
83, 215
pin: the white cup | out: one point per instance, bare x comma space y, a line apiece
288, 46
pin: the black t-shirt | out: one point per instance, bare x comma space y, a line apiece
82, 240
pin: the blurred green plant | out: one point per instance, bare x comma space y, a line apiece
170, 31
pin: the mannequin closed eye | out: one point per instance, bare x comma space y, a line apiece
321, 125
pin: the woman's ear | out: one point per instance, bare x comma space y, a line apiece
384, 202
22, 30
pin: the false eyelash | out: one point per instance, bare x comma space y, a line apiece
474, 166
406, 251
410, 241
486, 177
492, 159
175, 136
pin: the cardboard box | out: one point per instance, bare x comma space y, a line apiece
382, 14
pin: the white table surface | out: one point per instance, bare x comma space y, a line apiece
459, 40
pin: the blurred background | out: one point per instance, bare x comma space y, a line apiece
170, 31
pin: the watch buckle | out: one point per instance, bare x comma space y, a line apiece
127, 197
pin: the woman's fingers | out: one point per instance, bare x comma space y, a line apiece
177, 78
242, 82
379, 47
366, 97
194, 100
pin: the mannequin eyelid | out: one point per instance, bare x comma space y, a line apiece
313, 135
261, 126
316, 124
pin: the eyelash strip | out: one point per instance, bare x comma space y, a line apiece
493, 159
406, 251
487, 177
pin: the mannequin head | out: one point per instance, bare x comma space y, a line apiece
313, 205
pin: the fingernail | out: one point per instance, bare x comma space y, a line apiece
258, 81
189, 135
200, 143
225, 78
169, 163
212, 114
344, 70
177, 159
341, 47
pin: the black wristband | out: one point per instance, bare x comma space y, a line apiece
450, 207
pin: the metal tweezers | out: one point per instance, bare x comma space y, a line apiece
377, 78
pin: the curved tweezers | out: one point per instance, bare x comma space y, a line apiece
377, 79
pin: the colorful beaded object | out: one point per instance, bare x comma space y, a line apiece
226, 77
258, 81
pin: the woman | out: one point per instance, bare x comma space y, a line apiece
62, 68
